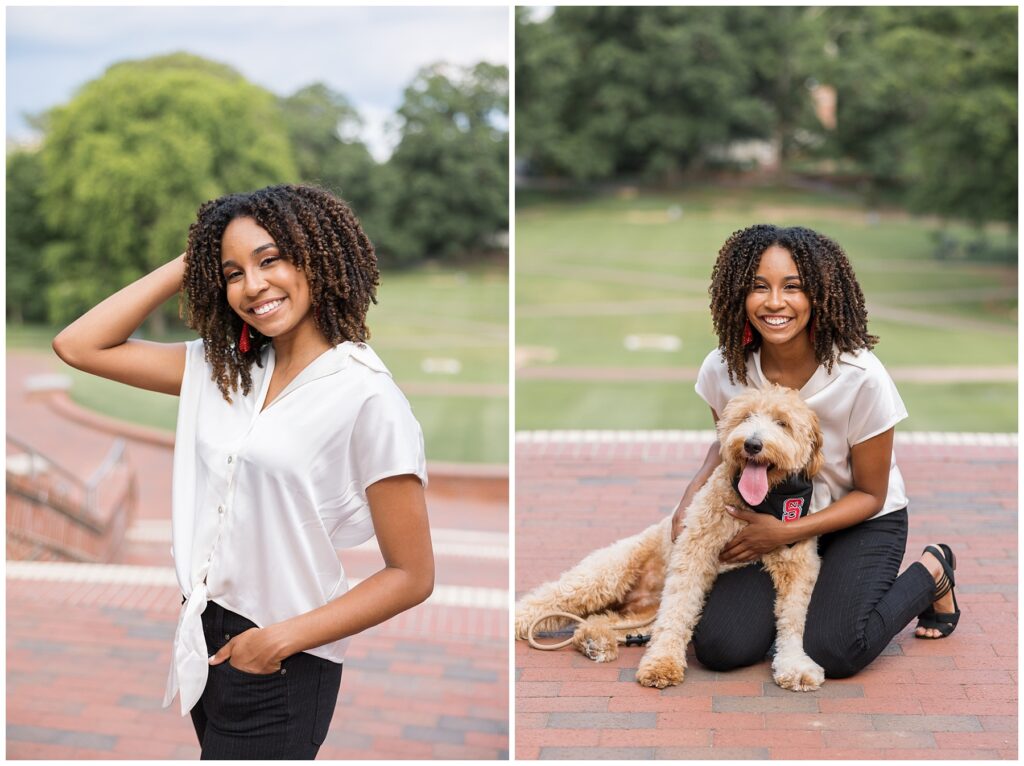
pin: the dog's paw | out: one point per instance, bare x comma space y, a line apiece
595, 643
798, 675
661, 672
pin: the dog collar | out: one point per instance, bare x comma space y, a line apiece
787, 501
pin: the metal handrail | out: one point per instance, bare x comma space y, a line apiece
34, 454
84, 511
114, 458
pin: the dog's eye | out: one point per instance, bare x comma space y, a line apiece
782, 423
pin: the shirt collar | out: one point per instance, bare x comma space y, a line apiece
331, 361
821, 378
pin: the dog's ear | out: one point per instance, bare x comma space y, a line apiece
817, 447
731, 416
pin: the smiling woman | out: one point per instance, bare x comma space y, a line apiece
296, 243
788, 310
292, 440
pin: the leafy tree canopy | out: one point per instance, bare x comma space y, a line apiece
928, 103
618, 91
324, 129
926, 96
27, 234
129, 159
449, 188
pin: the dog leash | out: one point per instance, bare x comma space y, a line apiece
629, 640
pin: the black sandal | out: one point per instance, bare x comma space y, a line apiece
944, 622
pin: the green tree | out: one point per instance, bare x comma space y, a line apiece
928, 105
130, 158
781, 74
963, 156
545, 62
449, 173
605, 92
927, 97
27, 235
323, 128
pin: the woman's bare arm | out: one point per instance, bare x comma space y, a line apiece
399, 513
98, 341
711, 461
871, 461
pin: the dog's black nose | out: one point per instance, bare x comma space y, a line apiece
753, 446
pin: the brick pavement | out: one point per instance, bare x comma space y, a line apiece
948, 699
87, 659
86, 666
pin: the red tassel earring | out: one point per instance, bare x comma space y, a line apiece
748, 334
243, 342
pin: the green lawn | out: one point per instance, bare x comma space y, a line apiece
658, 405
594, 270
425, 315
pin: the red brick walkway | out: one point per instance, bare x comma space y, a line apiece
87, 660
954, 698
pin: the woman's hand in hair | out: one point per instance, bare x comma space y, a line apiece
99, 341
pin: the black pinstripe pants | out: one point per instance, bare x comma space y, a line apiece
248, 716
860, 602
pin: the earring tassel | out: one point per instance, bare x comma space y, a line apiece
748, 334
243, 342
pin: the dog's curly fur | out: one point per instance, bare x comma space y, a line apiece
647, 573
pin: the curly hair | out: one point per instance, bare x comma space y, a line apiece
837, 302
312, 228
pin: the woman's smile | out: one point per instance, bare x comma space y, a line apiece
265, 308
774, 322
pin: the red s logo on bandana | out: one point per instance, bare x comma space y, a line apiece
791, 509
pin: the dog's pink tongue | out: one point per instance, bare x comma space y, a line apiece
753, 484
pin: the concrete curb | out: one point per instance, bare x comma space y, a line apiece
948, 438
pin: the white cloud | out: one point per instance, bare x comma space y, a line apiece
368, 53
380, 130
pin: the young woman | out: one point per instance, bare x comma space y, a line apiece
787, 309
292, 440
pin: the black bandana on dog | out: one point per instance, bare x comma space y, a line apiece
788, 501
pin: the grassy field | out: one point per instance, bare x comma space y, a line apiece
423, 315
592, 271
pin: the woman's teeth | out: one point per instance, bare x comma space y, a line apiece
775, 321
267, 307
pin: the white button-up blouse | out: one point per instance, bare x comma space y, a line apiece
854, 402
261, 498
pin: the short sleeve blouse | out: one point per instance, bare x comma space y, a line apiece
262, 497
854, 402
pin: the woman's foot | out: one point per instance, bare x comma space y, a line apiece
944, 605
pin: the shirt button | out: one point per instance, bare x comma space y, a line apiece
283, 671
220, 509
230, 459
227, 636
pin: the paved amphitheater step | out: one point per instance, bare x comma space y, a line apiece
89, 646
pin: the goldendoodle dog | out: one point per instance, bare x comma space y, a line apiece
770, 443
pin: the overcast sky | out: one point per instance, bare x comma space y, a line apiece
369, 54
